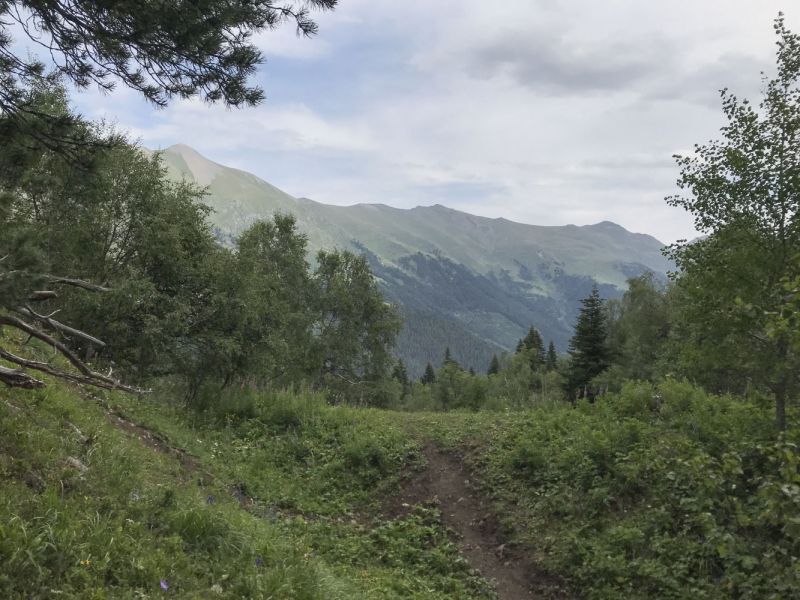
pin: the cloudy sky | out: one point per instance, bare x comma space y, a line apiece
540, 111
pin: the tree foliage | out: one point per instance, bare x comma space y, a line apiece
589, 354
744, 192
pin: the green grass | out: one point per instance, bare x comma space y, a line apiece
663, 492
139, 516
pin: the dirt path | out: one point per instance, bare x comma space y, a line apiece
447, 483
468, 513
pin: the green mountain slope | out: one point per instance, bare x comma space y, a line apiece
461, 275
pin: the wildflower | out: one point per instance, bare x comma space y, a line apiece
210, 499
85, 562
112, 362
135, 496
258, 562
164, 585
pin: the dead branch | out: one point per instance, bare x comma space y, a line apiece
16, 378
33, 332
78, 283
95, 379
27, 311
41, 295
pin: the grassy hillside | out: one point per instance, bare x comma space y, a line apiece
536, 274
254, 497
662, 492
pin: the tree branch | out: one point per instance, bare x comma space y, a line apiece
79, 283
92, 379
15, 378
27, 311
41, 295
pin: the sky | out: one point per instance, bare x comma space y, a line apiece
546, 112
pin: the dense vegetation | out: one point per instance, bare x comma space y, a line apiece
657, 459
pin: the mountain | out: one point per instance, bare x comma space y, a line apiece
473, 283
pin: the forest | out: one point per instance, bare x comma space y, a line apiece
185, 418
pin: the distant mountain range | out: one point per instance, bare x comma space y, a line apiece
471, 283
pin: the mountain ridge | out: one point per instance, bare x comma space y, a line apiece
489, 278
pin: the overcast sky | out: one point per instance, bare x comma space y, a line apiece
540, 111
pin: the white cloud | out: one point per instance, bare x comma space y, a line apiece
538, 111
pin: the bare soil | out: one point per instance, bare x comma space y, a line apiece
447, 483
147, 438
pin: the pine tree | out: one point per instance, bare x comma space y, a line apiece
400, 373
472, 370
552, 358
494, 366
520, 346
448, 359
429, 376
533, 341
588, 349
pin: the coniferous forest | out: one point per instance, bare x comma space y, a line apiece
185, 418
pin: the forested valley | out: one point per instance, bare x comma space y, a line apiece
182, 418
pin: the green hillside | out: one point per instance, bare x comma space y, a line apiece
489, 278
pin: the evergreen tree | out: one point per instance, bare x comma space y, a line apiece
449, 360
400, 373
494, 366
520, 346
588, 349
534, 344
429, 376
472, 370
552, 358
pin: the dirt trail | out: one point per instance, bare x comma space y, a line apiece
468, 513
447, 482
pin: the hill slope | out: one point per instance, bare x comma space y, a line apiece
477, 283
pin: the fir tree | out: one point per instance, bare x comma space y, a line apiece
533, 341
552, 358
587, 348
494, 366
448, 359
520, 346
534, 344
429, 376
472, 371
400, 373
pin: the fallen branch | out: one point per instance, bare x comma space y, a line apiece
56, 345
41, 295
15, 378
78, 283
27, 311
95, 379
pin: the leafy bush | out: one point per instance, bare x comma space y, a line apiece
657, 492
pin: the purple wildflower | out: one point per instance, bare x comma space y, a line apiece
258, 562
164, 585
135, 496
210, 499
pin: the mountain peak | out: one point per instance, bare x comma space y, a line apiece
203, 170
